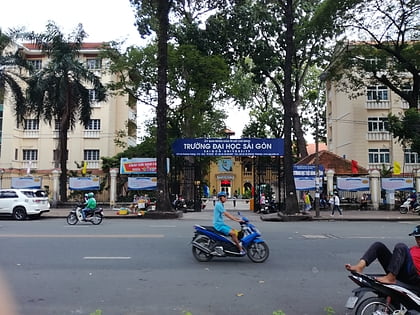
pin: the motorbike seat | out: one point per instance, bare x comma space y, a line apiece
413, 288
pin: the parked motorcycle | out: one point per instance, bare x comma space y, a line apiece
268, 207
208, 243
406, 207
381, 298
93, 216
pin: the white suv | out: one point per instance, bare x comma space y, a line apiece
21, 203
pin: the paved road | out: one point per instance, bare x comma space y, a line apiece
206, 214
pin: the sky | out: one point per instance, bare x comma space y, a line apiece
102, 20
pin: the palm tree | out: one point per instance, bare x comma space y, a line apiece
57, 92
8, 77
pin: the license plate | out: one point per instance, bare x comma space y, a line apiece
351, 302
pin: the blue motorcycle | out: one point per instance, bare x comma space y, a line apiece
208, 243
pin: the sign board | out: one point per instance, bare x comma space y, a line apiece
229, 147
307, 170
138, 166
397, 183
26, 182
84, 183
142, 183
305, 183
353, 183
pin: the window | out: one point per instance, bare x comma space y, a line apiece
377, 124
31, 124
378, 156
93, 63
377, 93
56, 125
91, 155
30, 155
36, 64
94, 124
92, 95
411, 157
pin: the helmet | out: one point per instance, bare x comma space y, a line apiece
416, 231
90, 195
221, 194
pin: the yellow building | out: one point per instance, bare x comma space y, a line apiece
34, 145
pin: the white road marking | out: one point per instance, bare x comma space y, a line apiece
106, 258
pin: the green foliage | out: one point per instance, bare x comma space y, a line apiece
97, 312
406, 128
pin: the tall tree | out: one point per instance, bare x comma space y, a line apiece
153, 15
8, 77
58, 91
283, 41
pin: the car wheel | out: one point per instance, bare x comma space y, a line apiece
19, 213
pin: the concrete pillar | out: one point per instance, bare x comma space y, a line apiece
417, 180
55, 187
330, 181
113, 189
375, 188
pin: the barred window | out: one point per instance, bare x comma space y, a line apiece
31, 124
93, 63
378, 155
377, 124
30, 155
411, 157
91, 155
377, 93
94, 124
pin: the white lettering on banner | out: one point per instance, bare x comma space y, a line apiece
197, 146
263, 146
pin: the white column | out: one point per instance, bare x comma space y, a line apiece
113, 189
375, 188
330, 181
417, 180
56, 186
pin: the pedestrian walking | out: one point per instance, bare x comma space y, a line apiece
335, 203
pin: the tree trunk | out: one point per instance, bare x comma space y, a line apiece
290, 198
64, 126
163, 203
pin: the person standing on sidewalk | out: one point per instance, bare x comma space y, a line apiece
335, 202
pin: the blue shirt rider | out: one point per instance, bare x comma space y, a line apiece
219, 224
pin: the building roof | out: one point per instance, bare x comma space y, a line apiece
332, 161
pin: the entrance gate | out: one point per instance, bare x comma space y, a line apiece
266, 160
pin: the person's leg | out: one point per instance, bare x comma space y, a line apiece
376, 251
400, 267
234, 235
84, 210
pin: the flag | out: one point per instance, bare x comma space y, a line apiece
354, 167
397, 168
84, 167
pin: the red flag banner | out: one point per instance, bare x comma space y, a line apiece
354, 167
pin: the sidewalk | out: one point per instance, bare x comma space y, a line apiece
207, 214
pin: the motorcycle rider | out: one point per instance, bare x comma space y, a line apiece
90, 204
413, 197
219, 224
402, 264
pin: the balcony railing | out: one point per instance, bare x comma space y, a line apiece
31, 133
92, 133
378, 104
378, 136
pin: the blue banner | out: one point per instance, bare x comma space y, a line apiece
229, 147
307, 170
